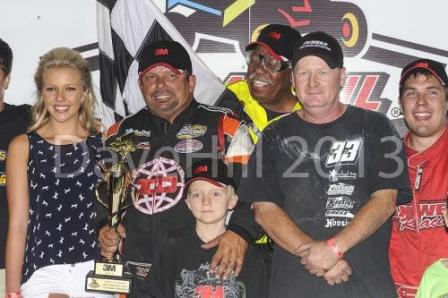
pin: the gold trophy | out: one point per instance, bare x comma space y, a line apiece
109, 275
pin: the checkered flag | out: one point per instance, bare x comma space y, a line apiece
125, 27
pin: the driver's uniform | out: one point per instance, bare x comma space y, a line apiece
160, 165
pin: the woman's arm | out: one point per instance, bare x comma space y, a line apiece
18, 206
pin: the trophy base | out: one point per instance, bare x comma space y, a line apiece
109, 284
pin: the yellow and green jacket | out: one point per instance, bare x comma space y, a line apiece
237, 97
247, 108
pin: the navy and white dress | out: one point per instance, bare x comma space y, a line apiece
61, 225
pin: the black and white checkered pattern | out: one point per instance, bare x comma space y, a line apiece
124, 28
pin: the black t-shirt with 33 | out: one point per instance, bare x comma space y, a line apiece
13, 121
322, 175
181, 270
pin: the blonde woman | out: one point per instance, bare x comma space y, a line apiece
52, 173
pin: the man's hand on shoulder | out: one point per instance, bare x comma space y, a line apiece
230, 254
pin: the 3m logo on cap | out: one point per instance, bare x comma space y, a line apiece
422, 65
200, 169
275, 35
161, 52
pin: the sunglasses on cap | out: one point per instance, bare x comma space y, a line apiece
270, 63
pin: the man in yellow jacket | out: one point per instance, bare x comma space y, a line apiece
266, 94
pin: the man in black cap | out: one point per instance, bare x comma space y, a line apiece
266, 94
169, 134
330, 177
418, 231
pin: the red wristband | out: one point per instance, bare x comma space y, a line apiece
14, 295
332, 244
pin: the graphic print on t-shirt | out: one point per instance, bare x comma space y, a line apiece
160, 185
343, 157
344, 152
202, 283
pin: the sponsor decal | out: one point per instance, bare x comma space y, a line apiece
344, 152
2, 179
340, 189
316, 43
339, 213
331, 222
139, 133
335, 176
340, 203
191, 131
161, 52
430, 215
143, 146
188, 146
2, 155
159, 185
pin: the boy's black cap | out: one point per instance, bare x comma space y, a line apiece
211, 170
435, 68
167, 53
278, 39
322, 45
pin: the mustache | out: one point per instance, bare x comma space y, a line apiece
254, 76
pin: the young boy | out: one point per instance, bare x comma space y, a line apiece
182, 266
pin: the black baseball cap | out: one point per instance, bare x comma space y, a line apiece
211, 170
167, 53
435, 68
322, 45
278, 39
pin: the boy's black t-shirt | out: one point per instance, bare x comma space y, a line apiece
14, 121
181, 271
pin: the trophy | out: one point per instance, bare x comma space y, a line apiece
108, 275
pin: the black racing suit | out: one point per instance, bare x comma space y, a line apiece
160, 166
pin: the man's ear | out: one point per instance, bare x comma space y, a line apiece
140, 84
291, 78
6, 81
343, 76
192, 82
400, 105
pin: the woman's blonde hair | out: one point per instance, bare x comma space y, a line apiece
65, 57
